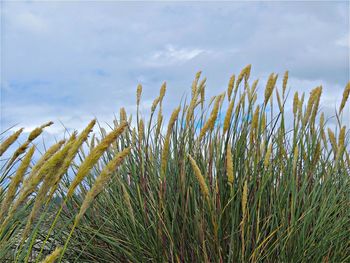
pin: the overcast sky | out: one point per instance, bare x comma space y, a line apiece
72, 61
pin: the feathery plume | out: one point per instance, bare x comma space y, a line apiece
94, 156
228, 116
229, 165
209, 125
333, 140
295, 103
165, 152
15, 182
162, 92
100, 182
73, 150
244, 198
230, 87
270, 86
200, 178
9, 141
317, 98
268, 155
341, 139
53, 256
141, 130
345, 97
138, 94
32, 136
194, 84
122, 114
285, 80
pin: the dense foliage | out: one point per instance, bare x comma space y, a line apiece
259, 184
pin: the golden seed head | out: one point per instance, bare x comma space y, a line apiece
269, 87
154, 104
15, 182
101, 181
94, 156
138, 94
141, 131
244, 198
165, 151
228, 116
317, 98
268, 155
230, 86
285, 80
229, 165
199, 176
209, 125
345, 97
9, 141
332, 140
162, 92
245, 73
53, 256
37, 131
122, 114
255, 119
194, 84
341, 139
295, 103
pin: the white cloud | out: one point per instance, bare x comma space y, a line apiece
172, 55
29, 22
344, 41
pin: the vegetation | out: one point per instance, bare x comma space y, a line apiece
260, 185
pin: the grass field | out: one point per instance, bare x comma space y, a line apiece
259, 184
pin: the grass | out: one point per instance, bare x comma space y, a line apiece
267, 184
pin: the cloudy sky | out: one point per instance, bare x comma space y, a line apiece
71, 61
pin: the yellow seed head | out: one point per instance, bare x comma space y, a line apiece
245, 73
53, 256
317, 98
194, 84
138, 94
9, 141
122, 114
15, 182
332, 140
295, 103
141, 131
295, 158
228, 116
162, 92
268, 155
244, 198
341, 139
230, 86
165, 152
255, 119
199, 176
229, 165
37, 131
209, 125
285, 80
94, 156
154, 104
345, 97
100, 182
269, 87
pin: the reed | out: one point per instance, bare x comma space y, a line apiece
269, 184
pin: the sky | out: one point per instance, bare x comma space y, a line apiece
71, 61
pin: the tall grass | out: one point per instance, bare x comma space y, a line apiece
265, 184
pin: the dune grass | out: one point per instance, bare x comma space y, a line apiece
260, 184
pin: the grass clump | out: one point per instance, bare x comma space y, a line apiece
270, 182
